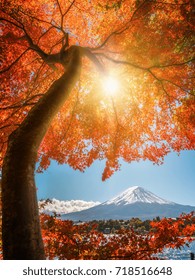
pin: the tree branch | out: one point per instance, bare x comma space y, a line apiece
120, 61
40, 20
69, 8
121, 30
22, 103
65, 42
59, 8
93, 58
11, 22
27, 36
8, 125
173, 64
149, 69
13, 63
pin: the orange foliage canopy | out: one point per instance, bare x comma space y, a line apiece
64, 240
146, 45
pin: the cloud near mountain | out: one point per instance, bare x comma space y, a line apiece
133, 202
69, 206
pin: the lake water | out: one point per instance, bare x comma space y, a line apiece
176, 254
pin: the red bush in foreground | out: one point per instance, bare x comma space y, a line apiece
64, 240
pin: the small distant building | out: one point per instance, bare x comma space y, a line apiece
107, 230
78, 223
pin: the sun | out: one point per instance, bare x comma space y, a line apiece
110, 85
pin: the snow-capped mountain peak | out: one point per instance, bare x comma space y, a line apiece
133, 202
136, 194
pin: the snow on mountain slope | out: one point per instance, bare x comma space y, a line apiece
134, 202
136, 194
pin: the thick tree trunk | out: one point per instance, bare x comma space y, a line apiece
21, 232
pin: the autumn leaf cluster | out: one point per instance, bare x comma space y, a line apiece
66, 240
146, 45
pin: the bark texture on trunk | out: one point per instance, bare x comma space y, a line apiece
21, 232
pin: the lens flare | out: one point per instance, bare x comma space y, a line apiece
110, 85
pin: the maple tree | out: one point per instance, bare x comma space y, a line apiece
65, 240
55, 56
0, 224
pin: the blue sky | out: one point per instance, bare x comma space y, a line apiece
174, 180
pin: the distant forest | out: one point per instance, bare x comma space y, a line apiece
110, 226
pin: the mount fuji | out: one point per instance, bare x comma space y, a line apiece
133, 202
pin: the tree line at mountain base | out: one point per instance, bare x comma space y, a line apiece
112, 226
